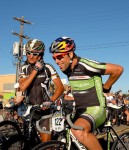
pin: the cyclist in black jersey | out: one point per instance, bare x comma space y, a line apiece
84, 76
35, 78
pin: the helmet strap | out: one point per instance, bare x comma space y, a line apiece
71, 60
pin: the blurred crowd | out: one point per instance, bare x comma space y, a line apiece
119, 103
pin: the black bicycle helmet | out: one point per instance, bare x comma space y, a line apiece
35, 45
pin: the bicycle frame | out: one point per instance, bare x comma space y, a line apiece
72, 139
58, 125
28, 123
29, 135
109, 128
110, 135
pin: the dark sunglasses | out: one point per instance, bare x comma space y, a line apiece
59, 57
34, 54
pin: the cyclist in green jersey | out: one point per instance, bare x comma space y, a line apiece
84, 76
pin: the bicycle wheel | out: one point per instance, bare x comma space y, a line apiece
7, 130
125, 139
18, 142
51, 145
15, 142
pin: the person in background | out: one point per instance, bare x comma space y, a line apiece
20, 107
111, 103
9, 103
35, 78
19, 96
122, 101
109, 98
84, 76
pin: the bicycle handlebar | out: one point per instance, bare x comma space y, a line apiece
40, 121
71, 124
68, 118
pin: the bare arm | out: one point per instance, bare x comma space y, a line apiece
59, 88
25, 82
114, 71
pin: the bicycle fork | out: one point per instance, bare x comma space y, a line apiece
73, 139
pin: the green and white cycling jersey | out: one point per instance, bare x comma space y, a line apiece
86, 82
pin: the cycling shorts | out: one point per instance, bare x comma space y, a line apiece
95, 115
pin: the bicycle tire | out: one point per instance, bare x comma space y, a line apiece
51, 145
7, 130
118, 146
15, 142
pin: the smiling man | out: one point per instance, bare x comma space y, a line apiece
35, 79
84, 76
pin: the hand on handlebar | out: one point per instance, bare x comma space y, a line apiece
68, 106
46, 105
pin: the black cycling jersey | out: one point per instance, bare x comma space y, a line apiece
38, 91
85, 80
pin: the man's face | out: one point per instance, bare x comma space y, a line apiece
62, 60
32, 57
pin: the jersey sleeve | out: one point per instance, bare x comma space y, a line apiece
53, 71
94, 66
22, 72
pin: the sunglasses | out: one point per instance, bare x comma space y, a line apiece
60, 56
34, 54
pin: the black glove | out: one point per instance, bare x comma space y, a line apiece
47, 104
68, 106
39, 65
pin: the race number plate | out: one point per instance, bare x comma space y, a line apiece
57, 123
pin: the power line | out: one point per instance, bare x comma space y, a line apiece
106, 45
100, 46
75, 17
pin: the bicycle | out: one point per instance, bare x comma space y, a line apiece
61, 123
8, 126
25, 135
115, 141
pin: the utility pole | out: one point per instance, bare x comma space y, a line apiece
20, 48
